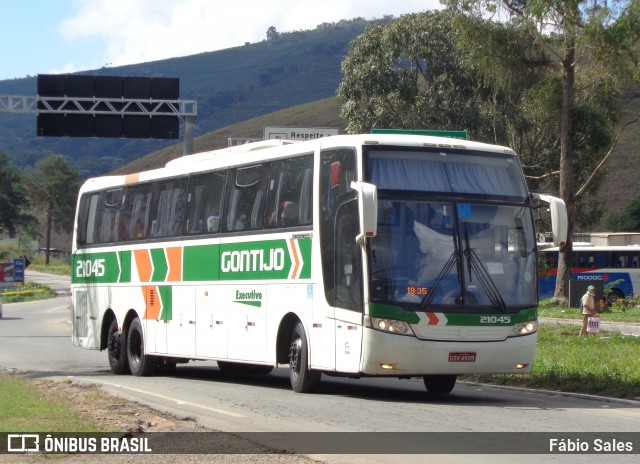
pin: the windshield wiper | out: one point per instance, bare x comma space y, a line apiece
486, 282
453, 259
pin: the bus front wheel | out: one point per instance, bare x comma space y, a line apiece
117, 350
303, 379
139, 363
439, 384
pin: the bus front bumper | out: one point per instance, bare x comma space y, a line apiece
397, 355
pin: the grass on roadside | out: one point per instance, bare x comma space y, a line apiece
56, 269
30, 291
23, 409
551, 309
605, 364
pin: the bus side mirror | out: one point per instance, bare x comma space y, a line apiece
367, 209
559, 218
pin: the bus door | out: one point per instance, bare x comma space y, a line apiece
348, 288
341, 255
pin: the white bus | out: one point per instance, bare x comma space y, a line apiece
351, 255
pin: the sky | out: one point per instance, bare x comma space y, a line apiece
65, 36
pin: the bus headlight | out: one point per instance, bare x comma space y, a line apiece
388, 325
524, 328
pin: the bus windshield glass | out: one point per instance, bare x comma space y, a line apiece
456, 233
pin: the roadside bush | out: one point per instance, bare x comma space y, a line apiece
30, 291
626, 303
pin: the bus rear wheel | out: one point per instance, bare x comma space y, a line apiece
439, 384
117, 350
139, 363
303, 379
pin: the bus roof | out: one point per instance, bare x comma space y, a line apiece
273, 149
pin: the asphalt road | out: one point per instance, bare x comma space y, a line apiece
35, 338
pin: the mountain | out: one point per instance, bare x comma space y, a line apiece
319, 113
229, 86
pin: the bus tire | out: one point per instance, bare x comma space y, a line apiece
439, 384
613, 296
117, 350
303, 379
139, 363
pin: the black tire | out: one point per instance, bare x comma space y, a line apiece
139, 363
117, 350
303, 379
613, 296
439, 384
239, 368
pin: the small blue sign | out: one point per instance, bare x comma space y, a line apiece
464, 210
18, 270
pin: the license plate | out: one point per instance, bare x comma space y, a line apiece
462, 357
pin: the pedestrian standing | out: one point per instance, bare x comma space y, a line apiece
588, 305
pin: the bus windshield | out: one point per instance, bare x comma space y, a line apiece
442, 246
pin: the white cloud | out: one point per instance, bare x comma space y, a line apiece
146, 30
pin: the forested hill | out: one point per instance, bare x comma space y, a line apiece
230, 86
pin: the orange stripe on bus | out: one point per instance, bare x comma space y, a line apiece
131, 178
296, 259
152, 302
143, 263
174, 256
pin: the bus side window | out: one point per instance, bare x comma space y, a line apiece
107, 223
88, 219
169, 210
134, 223
203, 203
244, 203
337, 170
348, 258
289, 195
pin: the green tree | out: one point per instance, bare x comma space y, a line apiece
13, 201
575, 34
603, 34
53, 189
273, 36
627, 220
409, 74
525, 80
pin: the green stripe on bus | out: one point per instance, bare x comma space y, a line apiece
160, 266
270, 259
393, 312
492, 319
166, 296
255, 260
125, 266
305, 250
96, 268
454, 319
200, 262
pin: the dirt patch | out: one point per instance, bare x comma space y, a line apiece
116, 414
111, 412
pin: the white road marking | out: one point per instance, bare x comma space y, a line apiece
168, 398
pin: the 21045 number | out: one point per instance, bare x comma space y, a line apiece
495, 319
90, 268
